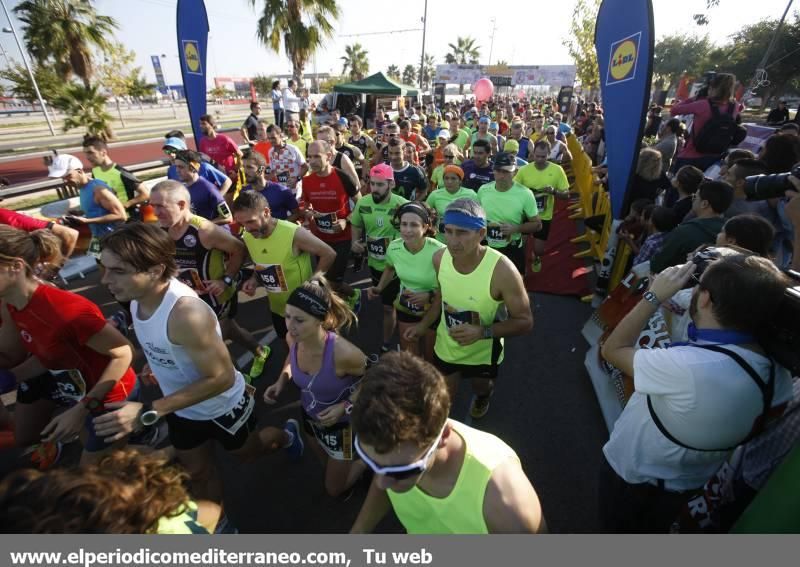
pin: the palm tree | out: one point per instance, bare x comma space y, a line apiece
393, 72
85, 107
285, 20
62, 33
464, 52
428, 71
139, 88
502, 63
355, 60
409, 75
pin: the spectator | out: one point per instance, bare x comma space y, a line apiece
277, 102
649, 180
751, 232
249, 129
291, 102
789, 129
709, 205
662, 221
780, 153
778, 115
731, 158
735, 177
668, 142
654, 119
684, 184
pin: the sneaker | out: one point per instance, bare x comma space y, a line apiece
258, 363
45, 455
479, 406
354, 301
536, 265
295, 450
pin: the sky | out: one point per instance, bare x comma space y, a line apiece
524, 34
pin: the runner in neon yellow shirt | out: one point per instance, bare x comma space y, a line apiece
452, 156
452, 190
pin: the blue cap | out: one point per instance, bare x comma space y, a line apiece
483, 119
176, 143
493, 126
343, 121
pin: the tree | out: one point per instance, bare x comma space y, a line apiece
139, 88
327, 85
62, 33
50, 84
355, 62
393, 72
85, 107
285, 20
677, 54
502, 63
464, 52
263, 85
409, 75
428, 71
580, 43
701, 19
114, 73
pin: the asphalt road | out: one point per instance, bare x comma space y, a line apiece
544, 407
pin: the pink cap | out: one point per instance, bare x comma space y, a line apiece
382, 171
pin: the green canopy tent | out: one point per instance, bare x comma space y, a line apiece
377, 84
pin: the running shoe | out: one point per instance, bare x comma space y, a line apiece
536, 265
45, 455
295, 450
354, 301
258, 364
479, 406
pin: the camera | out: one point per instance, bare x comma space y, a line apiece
707, 78
760, 187
782, 339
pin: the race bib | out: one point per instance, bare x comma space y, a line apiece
191, 277
68, 386
325, 223
283, 177
336, 441
495, 236
453, 317
376, 247
541, 201
272, 277
232, 421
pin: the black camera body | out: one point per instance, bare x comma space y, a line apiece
782, 339
760, 187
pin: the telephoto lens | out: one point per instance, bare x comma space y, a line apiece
760, 187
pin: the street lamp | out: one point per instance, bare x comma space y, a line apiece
28, 67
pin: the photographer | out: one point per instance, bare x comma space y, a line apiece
715, 116
696, 401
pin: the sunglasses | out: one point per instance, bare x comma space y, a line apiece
448, 156
399, 472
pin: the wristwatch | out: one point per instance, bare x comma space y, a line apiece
93, 405
348, 407
148, 416
227, 280
488, 333
651, 297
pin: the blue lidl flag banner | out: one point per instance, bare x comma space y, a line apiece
192, 22
624, 38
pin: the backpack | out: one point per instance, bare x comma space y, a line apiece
720, 132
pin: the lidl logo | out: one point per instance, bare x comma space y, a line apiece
624, 58
191, 55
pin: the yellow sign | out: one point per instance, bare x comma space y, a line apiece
623, 60
192, 57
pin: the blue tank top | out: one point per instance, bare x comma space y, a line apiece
91, 210
321, 390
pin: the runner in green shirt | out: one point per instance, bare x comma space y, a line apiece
410, 258
452, 190
373, 216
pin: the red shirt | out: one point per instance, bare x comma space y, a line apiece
22, 222
55, 326
330, 194
222, 150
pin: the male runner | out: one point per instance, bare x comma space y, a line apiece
208, 259
287, 164
409, 180
249, 128
68, 236
206, 200
175, 144
128, 189
478, 171
205, 397
359, 138
341, 159
281, 251
219, 147
422, 145
282, 202
474, 282
439, 475
353, 153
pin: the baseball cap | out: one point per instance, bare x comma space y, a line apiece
415, 116
343, 121
62, 164
483, 119
382, 171
444, 133
175, 143
505, 161
511, 146
448, 115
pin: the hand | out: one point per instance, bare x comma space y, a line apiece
331, 415
147, 376
214, 287
339, 226
414, 333
272, 393
418, 298
465, 335
509, 229
249, 287
357, 247
671, 280
65, 426
117, 424
373, 293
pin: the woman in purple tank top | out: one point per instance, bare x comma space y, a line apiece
327, 368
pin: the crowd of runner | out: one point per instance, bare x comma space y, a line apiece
440, 205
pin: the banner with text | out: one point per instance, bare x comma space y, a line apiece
192, 24
505, 75
624, 42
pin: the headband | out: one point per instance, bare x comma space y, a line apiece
416, 208
308, 302
462, 220
454, 169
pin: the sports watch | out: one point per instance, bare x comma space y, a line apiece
488, 333
227, 280
93, 405
651, 297
148, 416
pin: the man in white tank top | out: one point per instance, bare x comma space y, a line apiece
205, 397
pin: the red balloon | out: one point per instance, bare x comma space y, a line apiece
483, 89
522, 95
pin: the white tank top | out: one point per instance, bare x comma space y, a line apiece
170, 363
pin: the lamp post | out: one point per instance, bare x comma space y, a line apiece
28, 67
422, 59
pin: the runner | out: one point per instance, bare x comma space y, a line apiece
294, 138
262, 145
101, 210
282, 202
511, 211
327, 368
356, 156
68, 236
341, 159
372, 218
390, 131
208, 260
173, 145
559, 152
482, 133
219, 147
129, 190
359, 138
288, 165
249, 129
437, 474
77, 360
474, 282
409, 259
547, 180
206, 200
281, 251
205, 397
410, 181
423, 147
517, 133
478, 171
439, 199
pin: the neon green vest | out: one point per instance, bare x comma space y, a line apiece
467, 298
461, 511
277, 268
